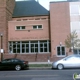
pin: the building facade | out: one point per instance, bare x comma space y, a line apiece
32, 33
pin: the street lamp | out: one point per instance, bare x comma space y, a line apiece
1, 46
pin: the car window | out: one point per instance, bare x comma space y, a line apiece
70, 58
6, 61
15, 60
77, 58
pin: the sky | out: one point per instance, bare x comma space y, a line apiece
44, 3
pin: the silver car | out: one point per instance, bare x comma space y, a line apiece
72, 61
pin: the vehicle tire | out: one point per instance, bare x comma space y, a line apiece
60, 66
17, 67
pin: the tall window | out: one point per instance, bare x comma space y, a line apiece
60, 51
29, 46
43, 46
34, 46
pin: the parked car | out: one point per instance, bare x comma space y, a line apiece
13, 63
72, 61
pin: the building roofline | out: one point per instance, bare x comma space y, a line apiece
28, 16
62, 1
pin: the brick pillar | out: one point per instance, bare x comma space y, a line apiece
6, 11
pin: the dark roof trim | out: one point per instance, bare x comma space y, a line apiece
29, 16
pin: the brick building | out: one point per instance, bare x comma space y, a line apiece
30, 32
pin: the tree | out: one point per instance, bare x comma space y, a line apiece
72, 41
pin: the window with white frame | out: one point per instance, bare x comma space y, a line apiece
20, 27
34, 46
77, 51
37, 27
74, 9
29, 46
60, 51
43, 46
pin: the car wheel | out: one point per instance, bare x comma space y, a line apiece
60, 66
17, 67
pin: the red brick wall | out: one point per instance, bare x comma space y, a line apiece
30, 57
6, 9
59, 24
29, 33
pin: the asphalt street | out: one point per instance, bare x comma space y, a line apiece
66, 74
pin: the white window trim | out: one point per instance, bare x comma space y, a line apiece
60, 55
30, 47
20, 28
37, 27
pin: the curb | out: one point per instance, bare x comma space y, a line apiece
40, 68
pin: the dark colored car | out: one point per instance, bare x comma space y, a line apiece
13, 63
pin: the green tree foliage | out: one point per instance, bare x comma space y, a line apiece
72, 40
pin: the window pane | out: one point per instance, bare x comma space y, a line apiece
14, 46
32, 45
63, 49
25, 41
23, 45
34, 27
23, 48
74, 9
41, 45
43, 41
75, 51
36, 49
18, 50
18, 46
49, 47
27, 50
58, 53
58, 48
14, 50
40, 26
32, 49
45, 45
41, 49
34, 41
18, 27
23, 27
27, 45
63, 53
79, 52
36, 45
45, 49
